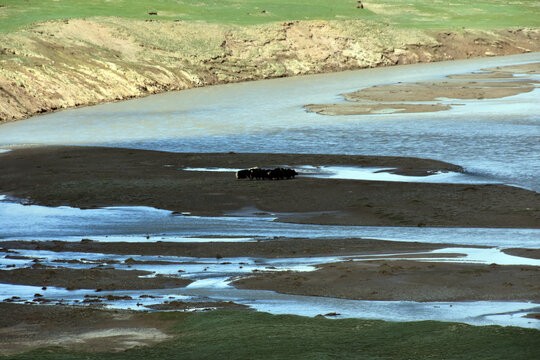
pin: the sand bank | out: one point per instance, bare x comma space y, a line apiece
88, 177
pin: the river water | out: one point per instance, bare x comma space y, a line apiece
495, 140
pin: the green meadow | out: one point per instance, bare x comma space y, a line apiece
253, 335
436, 14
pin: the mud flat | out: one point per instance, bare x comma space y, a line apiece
97, 278
406, 280
527, 253
87, 177
281, 248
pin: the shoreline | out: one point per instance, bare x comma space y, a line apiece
140, 73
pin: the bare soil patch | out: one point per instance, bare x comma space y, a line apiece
526, 253
279, 248
77, 328
87, 177
405, 280
97, 278
373, 108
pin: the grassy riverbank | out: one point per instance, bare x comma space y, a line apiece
61, 54
252, 335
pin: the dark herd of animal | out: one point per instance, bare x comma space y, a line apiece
257, 173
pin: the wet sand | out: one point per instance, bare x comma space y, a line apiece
89, 177
280, 248
526, 253
495, 83
405, 280
374, 108
96, 278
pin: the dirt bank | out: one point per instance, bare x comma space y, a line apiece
62, 64
405, 280
94, 177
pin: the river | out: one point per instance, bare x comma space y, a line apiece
497, 140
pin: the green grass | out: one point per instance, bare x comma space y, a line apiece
410, 13
254, 335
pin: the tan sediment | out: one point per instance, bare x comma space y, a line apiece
365, 109
405, 280
493, 84
531, 68
94, 177
61, 64
430, 91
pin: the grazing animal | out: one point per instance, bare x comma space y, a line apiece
257, 173
242, 174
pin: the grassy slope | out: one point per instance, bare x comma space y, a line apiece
434, 14
252, 335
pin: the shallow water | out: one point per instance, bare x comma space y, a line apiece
494, 138
212, 279
225, 268
497, 141
474, 313
139, 223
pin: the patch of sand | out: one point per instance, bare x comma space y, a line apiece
276, 248
97, 278
527, 253
368, 108
84, 32
493, 84
405, 280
